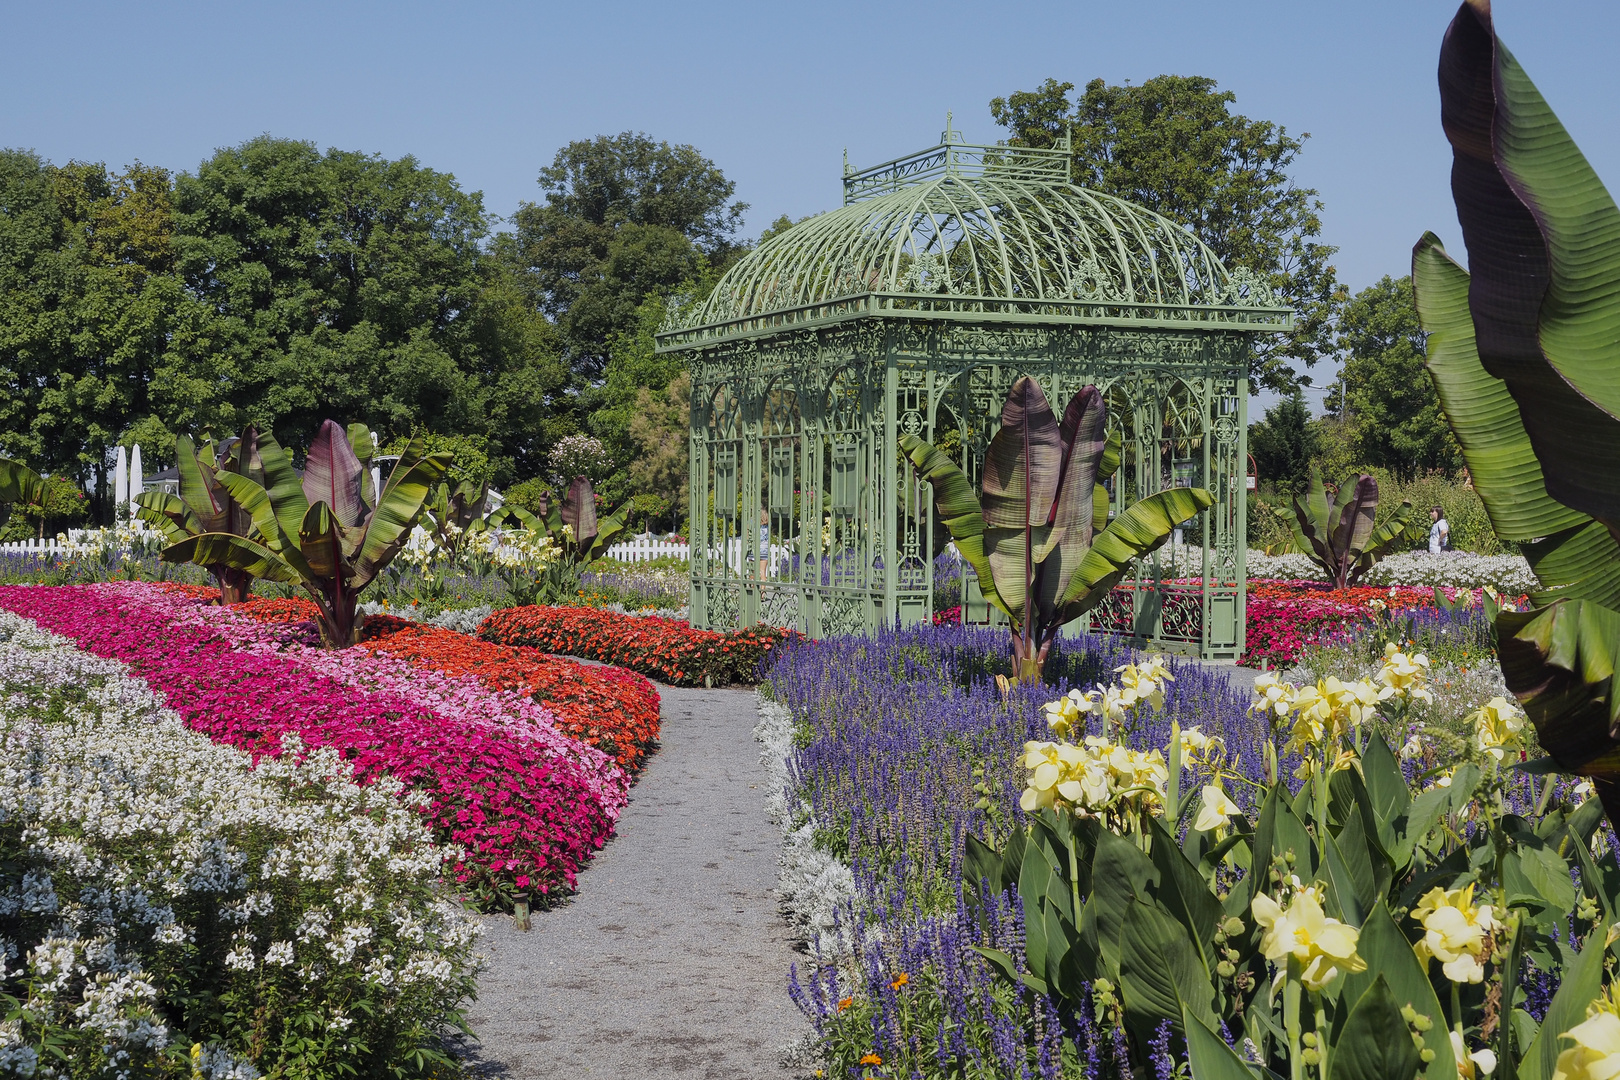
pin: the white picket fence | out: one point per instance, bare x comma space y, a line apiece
645, 549
33, 547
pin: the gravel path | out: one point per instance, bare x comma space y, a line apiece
671, 960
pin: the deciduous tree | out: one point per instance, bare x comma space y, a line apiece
1175, 146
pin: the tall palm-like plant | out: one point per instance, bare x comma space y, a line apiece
1033, 536
329, 531
454, 514
205, 506
1342, 536
1523, 354
18, 484
581, 535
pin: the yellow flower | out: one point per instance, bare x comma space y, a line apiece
1325, 947
1454, 932
1216, 810
1497, 727
1596, 1053
1143, 682
1403, 674
1063, 715
1474, 1065
1272, 695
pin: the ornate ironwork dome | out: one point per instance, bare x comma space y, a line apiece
985, 229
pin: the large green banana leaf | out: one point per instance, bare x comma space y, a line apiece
268, 516
18, 484
959, 510
169, 514
1543, 240
226, 549
388, 528
1141, 529
1559, 658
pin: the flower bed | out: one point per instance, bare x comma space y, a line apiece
899, 747
163, 891
1413, 569
526, 803
665, 649
610, 708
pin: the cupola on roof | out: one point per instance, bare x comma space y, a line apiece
989, 230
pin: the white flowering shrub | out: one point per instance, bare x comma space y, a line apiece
1508, 574
167, 908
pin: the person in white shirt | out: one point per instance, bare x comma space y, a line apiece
1439, 531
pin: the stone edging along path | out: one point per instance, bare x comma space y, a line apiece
671, 959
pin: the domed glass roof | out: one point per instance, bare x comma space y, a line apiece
986, 229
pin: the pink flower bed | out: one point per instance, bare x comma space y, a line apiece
526, 803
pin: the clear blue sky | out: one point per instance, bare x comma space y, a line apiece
775, 92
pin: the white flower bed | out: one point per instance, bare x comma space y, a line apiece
812, 883
158, 891
1508, 574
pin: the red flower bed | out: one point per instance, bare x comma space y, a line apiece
665, 649
610, 708
1285, 616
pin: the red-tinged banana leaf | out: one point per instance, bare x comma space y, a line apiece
579, 511
332, 474
1107, 466
359, 436
1023, 460
321, 542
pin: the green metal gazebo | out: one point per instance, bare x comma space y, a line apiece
912, 309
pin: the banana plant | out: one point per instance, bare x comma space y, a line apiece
329, 531
19, 484
581, 535
1342, 536
1523, 354
204, 506
455, 515
1033, 536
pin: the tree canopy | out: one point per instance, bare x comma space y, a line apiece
276, 285
1174, 145
1394, 413
624, 218
1285, 443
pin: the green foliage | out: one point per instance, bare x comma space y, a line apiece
1394, 414
530, 496
1150, 929
1285, 443
625, 218
1341, 533
661, 430
274, 285
1173, 145
1031, 534
1522, 357
328, 532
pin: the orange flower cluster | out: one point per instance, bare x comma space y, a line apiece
669, 650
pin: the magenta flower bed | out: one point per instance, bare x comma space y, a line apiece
526, 804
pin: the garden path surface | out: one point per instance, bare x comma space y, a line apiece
671, 960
